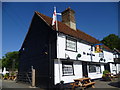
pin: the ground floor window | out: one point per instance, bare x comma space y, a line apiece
67, 68
94, 68
114, 67
118, 67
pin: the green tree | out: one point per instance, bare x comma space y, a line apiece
0, 63
112, 41
10, 60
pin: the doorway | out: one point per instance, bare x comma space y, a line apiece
107, 67
84, 69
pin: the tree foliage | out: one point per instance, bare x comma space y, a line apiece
0, 63
9, 59
112, 41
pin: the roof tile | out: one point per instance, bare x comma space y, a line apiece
67, 30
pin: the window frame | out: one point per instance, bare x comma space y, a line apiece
95, 65
72, 39
67, 63
90, 68
101, 54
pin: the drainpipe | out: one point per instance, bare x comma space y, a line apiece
91, 49
58, 59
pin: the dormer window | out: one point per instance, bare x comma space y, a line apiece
71, 44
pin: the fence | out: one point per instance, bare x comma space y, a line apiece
28, 77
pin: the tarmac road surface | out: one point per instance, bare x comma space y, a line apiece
111, 85
12, 85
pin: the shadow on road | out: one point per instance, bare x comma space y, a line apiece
115, 84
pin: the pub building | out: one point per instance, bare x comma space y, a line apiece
64, 54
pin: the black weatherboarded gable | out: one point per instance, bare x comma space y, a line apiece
39, 51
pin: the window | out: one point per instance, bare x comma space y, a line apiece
113, 67
94, 68
71, 44
101, 54
67, 68
98, 69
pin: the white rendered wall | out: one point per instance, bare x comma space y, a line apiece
114, 67
118, 68
116, 56
67, 79
96, 75
84, 48
57, 71
61, 46
108, 56
81, 47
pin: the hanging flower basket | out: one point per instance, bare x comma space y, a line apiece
79, 55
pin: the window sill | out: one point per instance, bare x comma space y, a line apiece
70, 50
68, 75
98, 73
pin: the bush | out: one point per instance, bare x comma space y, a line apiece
106, 77
6, 75
12, 74
105, 72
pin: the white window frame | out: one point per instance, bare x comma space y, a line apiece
97, 68
71, 44
67, 69
101, 54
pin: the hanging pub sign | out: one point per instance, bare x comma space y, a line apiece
98, 48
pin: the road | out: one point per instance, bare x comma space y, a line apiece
111, 85
12, 85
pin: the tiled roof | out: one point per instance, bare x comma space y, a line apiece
67, 30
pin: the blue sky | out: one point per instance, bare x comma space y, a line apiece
0, 29
96, 19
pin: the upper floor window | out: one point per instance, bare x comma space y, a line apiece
101, 54
71, 44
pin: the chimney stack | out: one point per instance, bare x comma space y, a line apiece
68, 18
